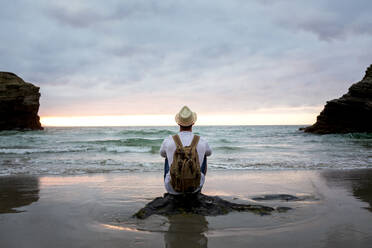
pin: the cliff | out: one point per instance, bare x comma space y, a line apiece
19, 103
350, 113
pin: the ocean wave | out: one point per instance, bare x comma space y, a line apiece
229, 148
280, 166
126, 142
367, 136
77, 168
226, 141
162, 132
9, 132
125, 149
142, 142
39, 150
22, 132
110, 146
132, 149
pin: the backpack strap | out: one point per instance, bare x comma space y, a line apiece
195, 141
177, 140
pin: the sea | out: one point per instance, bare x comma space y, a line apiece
83, 150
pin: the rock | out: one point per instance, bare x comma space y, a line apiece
283, 209
19, 103
284, 197
271, 197
199, 204
350, 113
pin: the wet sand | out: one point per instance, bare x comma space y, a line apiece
330, 208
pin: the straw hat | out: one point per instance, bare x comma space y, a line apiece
185, 117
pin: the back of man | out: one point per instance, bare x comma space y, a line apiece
185, 118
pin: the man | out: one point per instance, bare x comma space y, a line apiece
185, 119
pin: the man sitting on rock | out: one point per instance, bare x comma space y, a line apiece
185, 152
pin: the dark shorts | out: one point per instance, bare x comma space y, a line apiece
203, 168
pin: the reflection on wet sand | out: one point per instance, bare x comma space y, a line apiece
358, 182
186, 231
17, 191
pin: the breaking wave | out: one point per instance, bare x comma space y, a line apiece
146, 132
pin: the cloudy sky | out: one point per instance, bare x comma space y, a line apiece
240, 57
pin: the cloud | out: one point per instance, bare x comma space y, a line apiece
125, 57
328, 20
82, 15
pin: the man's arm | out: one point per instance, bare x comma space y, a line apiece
163, 147
208, 150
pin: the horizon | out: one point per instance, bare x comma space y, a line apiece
255, 118
238, 125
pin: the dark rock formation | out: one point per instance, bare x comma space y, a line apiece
350, 113
19, 103
282, 197
198, 204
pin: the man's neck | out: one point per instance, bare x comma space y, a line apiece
185, 129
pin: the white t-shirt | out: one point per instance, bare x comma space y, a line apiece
168, 148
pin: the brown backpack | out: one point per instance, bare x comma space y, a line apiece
185, 168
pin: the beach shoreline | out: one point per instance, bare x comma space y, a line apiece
332, 209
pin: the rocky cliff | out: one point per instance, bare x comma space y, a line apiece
350, 113
19, 103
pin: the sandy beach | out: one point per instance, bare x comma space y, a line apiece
332, 209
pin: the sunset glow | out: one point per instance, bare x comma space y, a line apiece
258, 118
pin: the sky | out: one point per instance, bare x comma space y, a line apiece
232, 62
